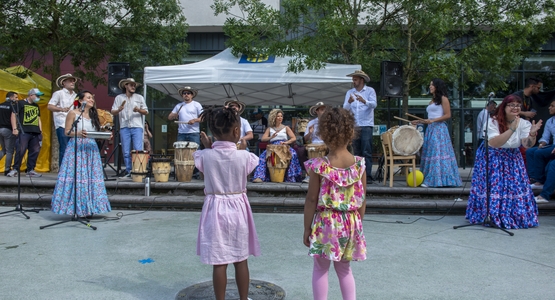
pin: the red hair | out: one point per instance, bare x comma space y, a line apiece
499, 113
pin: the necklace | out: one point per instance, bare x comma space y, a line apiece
511, 121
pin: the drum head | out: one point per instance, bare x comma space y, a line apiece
181, 144
406, 140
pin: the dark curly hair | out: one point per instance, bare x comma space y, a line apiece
93, 113
220, 120
336, 127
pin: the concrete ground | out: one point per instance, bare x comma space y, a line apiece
151, 255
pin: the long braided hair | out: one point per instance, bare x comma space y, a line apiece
220, 120
93, 113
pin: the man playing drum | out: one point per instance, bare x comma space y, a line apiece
311, 138
246, 130
60, 103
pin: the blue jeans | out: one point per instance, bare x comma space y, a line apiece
362, 146
24, 142
128, 137
536, 160
62, 140
549, 185
189, 137
7, 142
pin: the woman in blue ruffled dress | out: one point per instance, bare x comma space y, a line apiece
91, 191
438, 162
278, 134
511, 201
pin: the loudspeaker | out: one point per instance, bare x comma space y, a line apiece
116, 72
392, 79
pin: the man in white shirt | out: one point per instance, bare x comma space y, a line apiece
188, 113
361, 101
131, 109
60, 103
311, 135
246, 130
482, 117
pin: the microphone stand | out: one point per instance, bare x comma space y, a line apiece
74, 217
487, 219
18, 207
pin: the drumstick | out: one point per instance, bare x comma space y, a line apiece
401, 119
416, 117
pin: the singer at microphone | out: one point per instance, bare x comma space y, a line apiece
482, 117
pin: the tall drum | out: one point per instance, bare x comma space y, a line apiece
316, 150
184, 162
277, 160
140, 163
406, 140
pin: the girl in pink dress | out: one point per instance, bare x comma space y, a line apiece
226, 232
334, 205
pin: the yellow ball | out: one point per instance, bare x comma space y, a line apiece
419, 179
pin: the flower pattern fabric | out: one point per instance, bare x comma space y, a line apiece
337, 226
438, 162
293, 173
91, 191
512, 203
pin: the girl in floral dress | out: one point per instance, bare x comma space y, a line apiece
334, 206
226, 233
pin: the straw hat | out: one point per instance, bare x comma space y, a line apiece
125, 81
241, 105
360, 74
313, 108
60, 80
187, 88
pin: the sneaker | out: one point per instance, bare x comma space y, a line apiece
32, 173
12, 173
126, 176
423, 185
306, 179
540, 199
536, 186
257, 180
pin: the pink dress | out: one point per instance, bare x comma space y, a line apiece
226, 232
337, 226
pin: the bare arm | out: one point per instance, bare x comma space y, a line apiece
291, 135
310, 204
362, 208
266, 137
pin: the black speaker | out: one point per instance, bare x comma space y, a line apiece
392, 79
116, 72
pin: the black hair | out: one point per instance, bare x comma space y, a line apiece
441, 90
532, 80
9, 94
93, 113
220, 120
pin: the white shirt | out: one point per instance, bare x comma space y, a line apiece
481, 123
364, 112
186, 112
434, 111
522, 131
281, 136
245, 127
127, 117
63, 99
315, 136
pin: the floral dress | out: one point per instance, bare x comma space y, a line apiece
337, 226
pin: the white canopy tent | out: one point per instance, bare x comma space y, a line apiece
267, 82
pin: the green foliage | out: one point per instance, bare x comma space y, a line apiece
485, 39
91, 32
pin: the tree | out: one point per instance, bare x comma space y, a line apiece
90, 33
484, 39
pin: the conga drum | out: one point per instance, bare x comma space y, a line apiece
184, 162
161, 168
140, 163
316, 150
406, 140
277, 160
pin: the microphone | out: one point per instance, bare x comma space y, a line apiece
491, 95
82, 108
